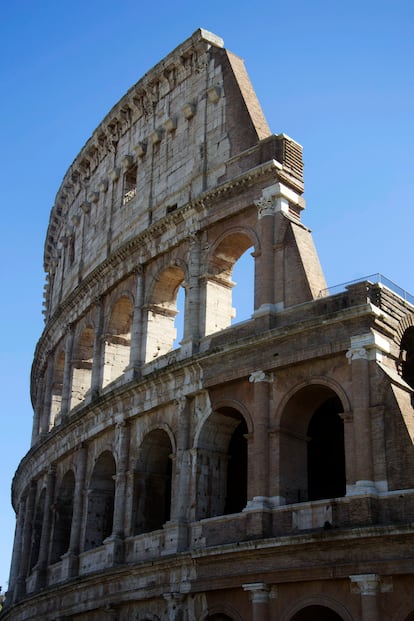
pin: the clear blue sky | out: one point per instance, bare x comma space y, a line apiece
336, 76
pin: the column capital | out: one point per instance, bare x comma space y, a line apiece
368, 346
260, 376
277, 198
259, 592
370, 584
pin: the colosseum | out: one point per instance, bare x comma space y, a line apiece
212, 470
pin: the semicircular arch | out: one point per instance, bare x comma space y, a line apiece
319, 600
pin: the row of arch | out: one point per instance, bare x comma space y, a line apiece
312, 459
138, 326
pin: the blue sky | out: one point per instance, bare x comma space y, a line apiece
336, 76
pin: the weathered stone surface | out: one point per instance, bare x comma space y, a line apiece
260, 470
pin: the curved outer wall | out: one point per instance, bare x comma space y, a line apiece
260, 470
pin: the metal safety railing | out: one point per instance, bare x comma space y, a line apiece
374, 279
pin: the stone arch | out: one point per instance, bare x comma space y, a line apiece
117, 345
221, 463
82, 364
221, 612
224, 254
153, 482
317, 607
57, 386
101, 496
161, 311
311, 444
63, 513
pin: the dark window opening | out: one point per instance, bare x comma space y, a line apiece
101, 501
37, 530
153, 483
63, 517
130, 185
236, 497
71, 249
326, 452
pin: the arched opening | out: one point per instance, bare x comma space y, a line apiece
82, 366
243, 292
221, 476
406, 359
63, 517
316, 613
218, 617
152, 487
312, 452
37, 529
219, 311
117, 341
161, 313
326, 453
57, 386
179, 318
101, 495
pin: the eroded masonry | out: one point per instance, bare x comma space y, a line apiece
247, 471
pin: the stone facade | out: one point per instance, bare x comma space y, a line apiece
258, 470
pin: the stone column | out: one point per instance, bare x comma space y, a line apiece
98, 350
264, 284
364, 348
175, 602
137, 354
362, 423
122, 435
17, 550
115, 543
67, 372
369, 588
26, 542
258, 485
47, 400
70, 559
46, 530
179, 502
192, 317
38, 410
259, 593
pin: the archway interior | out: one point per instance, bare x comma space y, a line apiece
316, 613
153, 482
117, 341
312, 453
326, 455
220, 312
63, 517
101, 497
221, 475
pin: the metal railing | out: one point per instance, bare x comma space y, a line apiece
374, 279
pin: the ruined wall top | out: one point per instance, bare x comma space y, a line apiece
169, 139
